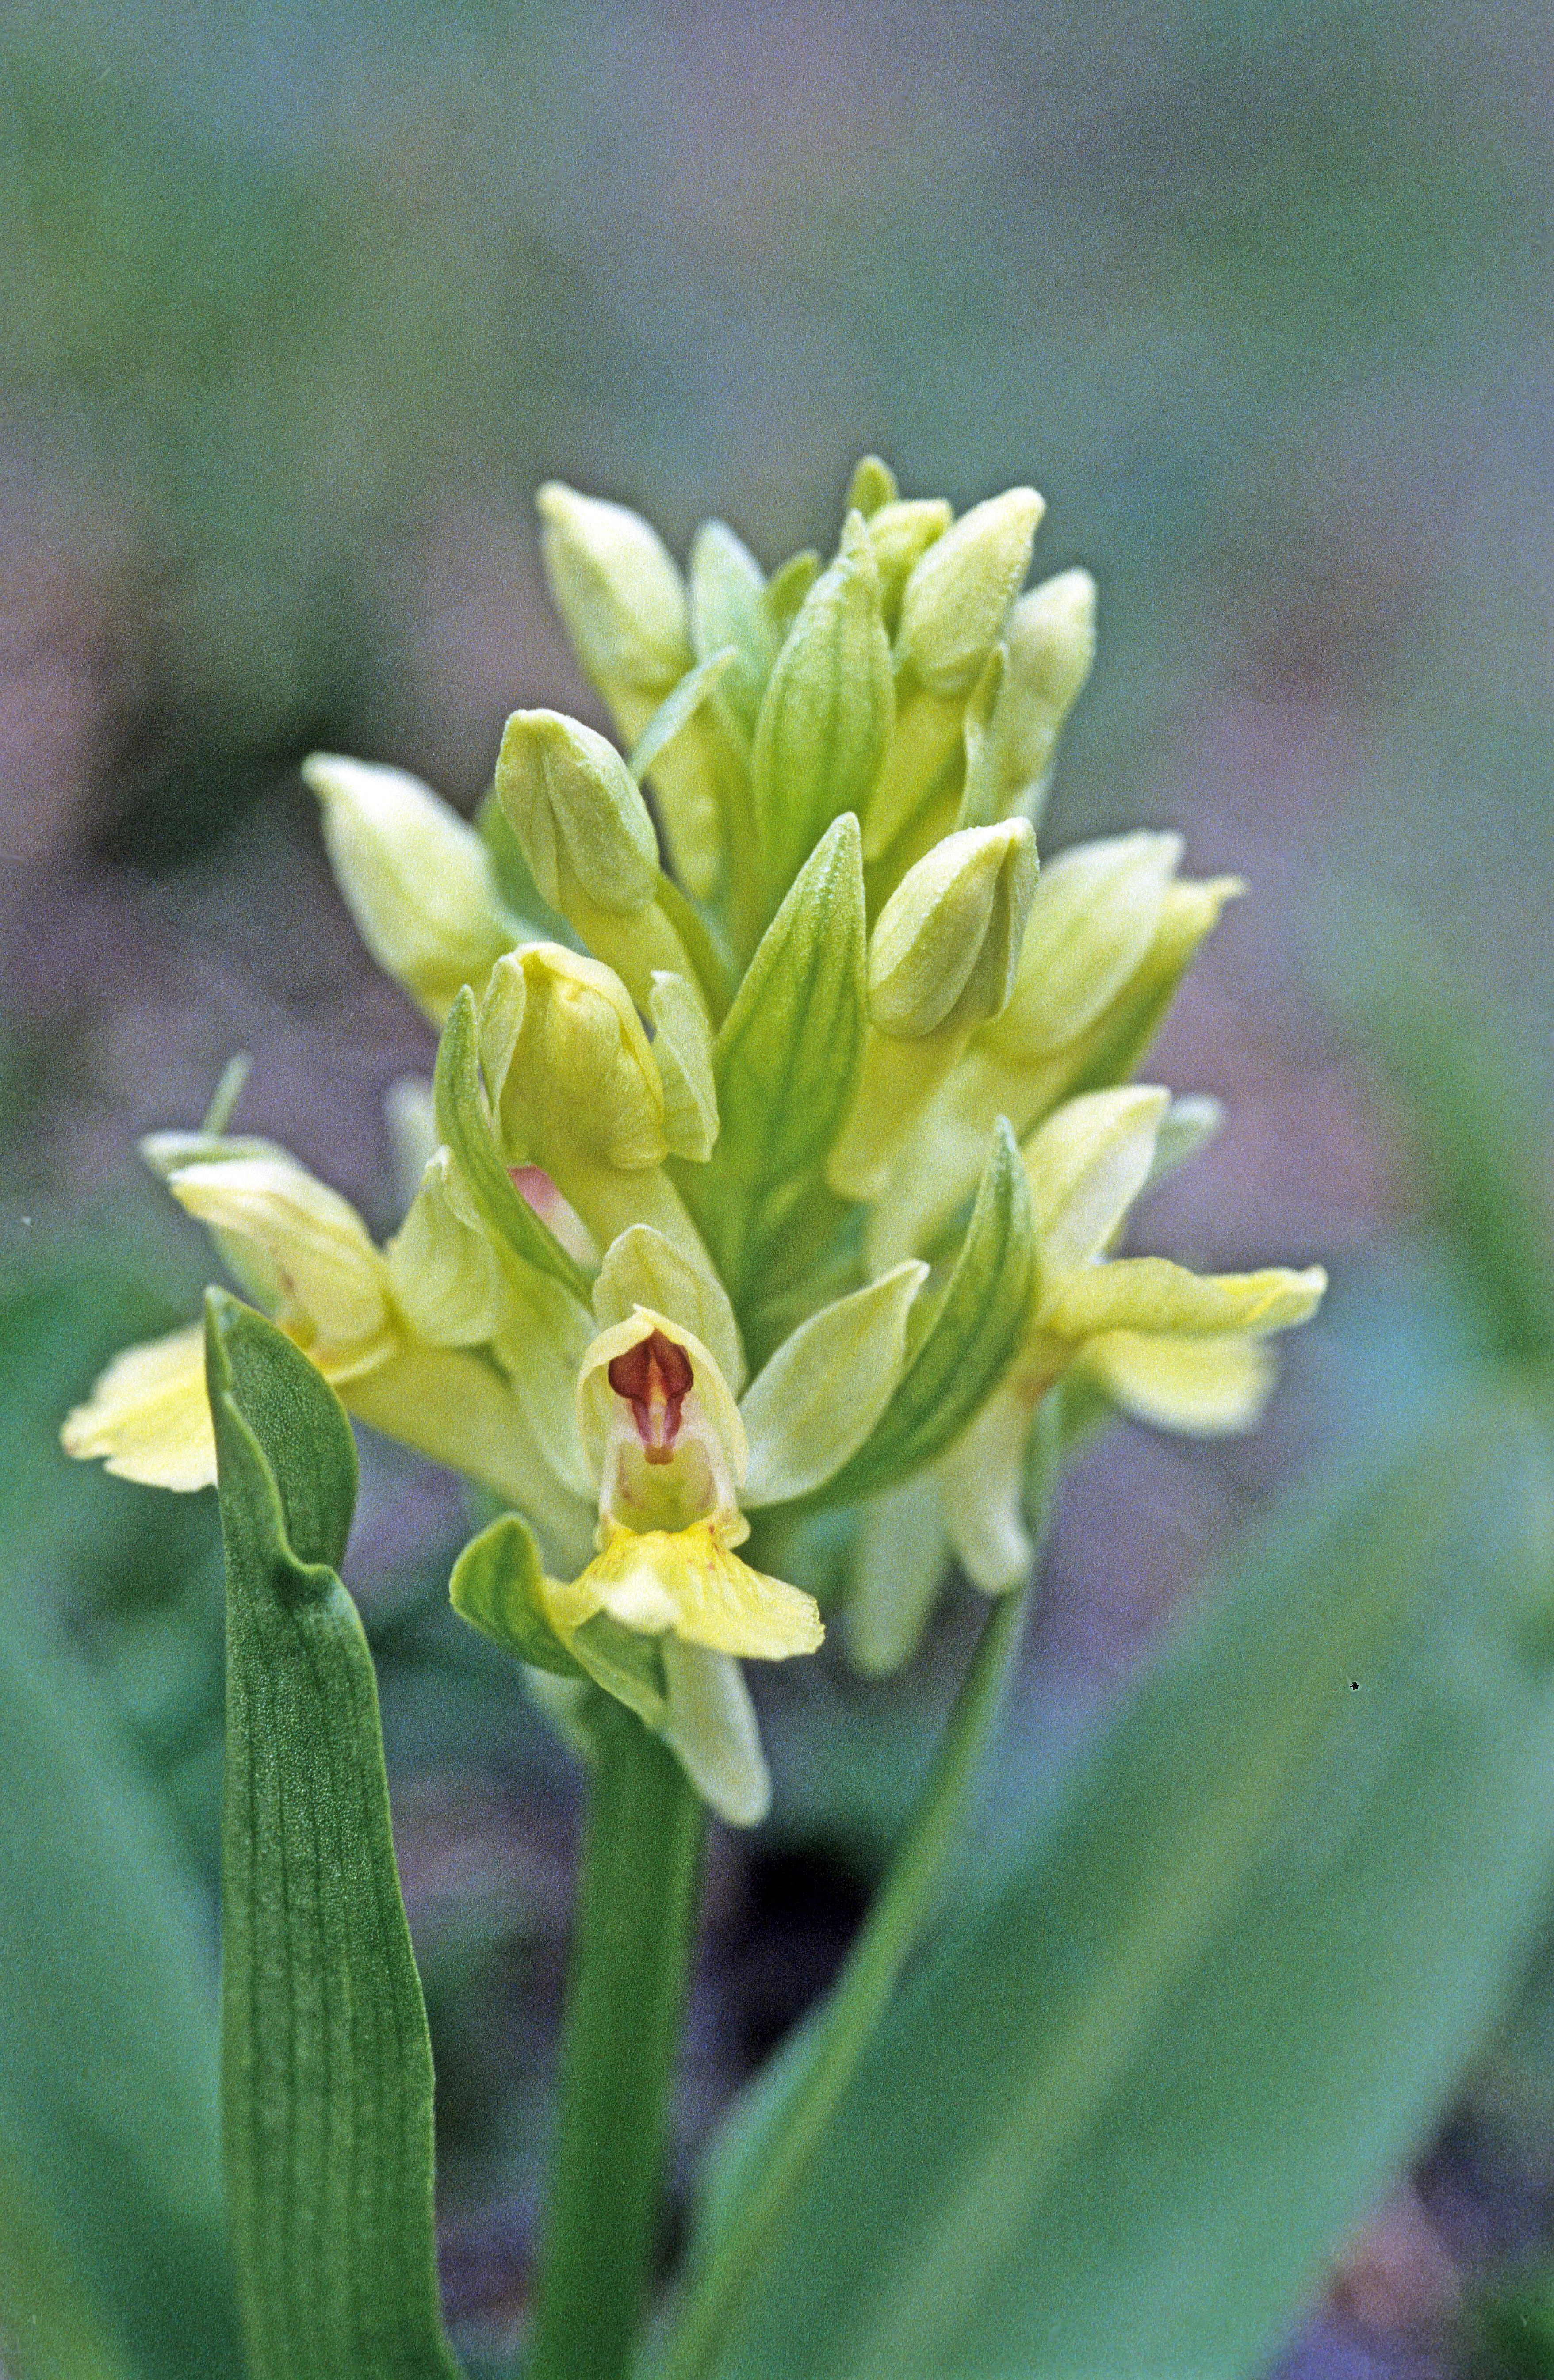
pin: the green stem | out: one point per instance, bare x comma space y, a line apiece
641, 1888
828, 2057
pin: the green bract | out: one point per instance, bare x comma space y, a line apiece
796, 1177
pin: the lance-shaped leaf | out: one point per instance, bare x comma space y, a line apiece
967, 1345
111, 2218
1140, 2095
326, 2068
785, 1061
465, 1124
826, 715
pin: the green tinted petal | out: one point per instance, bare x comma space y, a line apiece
1206, 1388
899, 1565
710, 1724
817, 1399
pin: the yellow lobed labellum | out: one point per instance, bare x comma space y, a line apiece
689, 1584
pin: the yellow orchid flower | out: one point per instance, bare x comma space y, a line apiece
407, 1336
1179, 1349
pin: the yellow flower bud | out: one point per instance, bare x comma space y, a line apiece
954, 604
622, 598
415, 878
584, 830
574, 806
575, 1089
900, 533
941, 961
942, 955
571, 1075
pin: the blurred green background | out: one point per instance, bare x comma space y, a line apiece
301, 302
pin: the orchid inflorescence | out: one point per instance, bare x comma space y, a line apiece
776, 1178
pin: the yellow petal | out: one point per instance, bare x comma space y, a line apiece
1205, 1387
148, 1417
1085, 1166
331, 1274
1149, 1295
687, 1584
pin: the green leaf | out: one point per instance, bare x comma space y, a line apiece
1484, 1136
1138, 2098
826, 716
785, 1061
966, 1346
110, 2180
466, 1127
326, 2069
496, 1587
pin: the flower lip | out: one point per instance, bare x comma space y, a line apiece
654, 1378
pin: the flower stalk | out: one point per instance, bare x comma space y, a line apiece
640, 1893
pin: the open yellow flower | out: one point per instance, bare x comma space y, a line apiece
425, 1339
1180, 1350
666, 1609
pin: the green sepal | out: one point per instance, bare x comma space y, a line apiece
969, 1341
826, 716
464, 1124
496, 1586
785, 1062
326, 2066
677, 710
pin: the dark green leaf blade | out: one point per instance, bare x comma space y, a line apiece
1139, 2097
326, 2065
967, 1347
